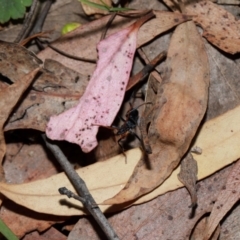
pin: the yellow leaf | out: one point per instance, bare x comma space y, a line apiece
219, 140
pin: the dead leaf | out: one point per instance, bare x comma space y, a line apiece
52, 233
104, 94
9, 98
200, 228
219, 140
16, 61
57, 89
165, 217
21, 220
227, 197
220, 27
181, 104
89, 10
188, 176
89, 35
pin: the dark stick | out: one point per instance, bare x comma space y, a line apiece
27, 24
82, 190
71, 56
41, 19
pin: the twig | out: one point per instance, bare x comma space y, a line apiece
140, 76
41, 19
65, 191
27, 24
71, 56
82, 190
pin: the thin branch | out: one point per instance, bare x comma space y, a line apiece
140, 76
71, 56
82, 190
42, 16
27, 24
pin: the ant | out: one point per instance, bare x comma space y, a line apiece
129, 124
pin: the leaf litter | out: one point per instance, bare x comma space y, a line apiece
179, 111
219, 154
104, 94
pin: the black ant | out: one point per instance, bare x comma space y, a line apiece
129, 124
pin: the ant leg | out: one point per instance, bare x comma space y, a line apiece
147, 148
122, 149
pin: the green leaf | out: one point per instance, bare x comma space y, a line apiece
13, 9
6, 231
104, 6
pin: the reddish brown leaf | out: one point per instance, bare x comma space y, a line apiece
181, 104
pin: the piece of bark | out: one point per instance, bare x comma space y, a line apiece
181, 104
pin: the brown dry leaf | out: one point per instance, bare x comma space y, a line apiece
181, 104
56, 90
188, 176
219, 140
25, 163
50, 234
9, 98
16, 61
227, 197
82, 41
198, 231
165, 217
21, 220
89, 10
220, 27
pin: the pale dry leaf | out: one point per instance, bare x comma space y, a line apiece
82, 41
227, 197
46, 199
200, 228
179, 108
219, 140
104, 94
188, 176
9, 98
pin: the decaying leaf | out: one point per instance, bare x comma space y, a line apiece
57, 89
200, 228
188, 176
219, 140
178, 111
16, 61
89, 35
220, 27
227, 197
9, 98
104, 94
